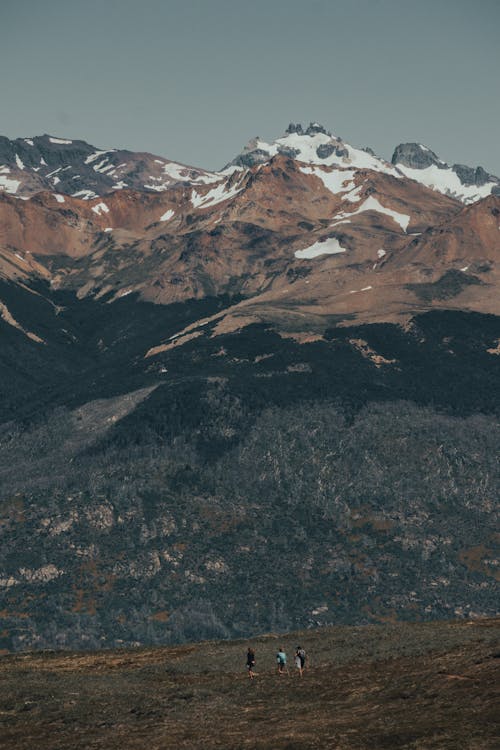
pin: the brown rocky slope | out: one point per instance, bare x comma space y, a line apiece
298, 243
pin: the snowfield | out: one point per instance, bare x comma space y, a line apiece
100, 208
9, 185
330, 246
338, 181
218, 194
167, 215
372, 204
448, 182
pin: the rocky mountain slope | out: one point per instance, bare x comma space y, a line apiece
277, 383
72, 167
281, 230
432, 686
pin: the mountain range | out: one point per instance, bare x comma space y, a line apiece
264, 397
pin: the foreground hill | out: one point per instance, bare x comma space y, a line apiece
402, 687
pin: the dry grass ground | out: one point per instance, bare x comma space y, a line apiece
397, 686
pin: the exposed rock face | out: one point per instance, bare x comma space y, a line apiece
251, 158
314, 128
289, 151
56, 152
471, 176
295, 128
416, 156
327, 149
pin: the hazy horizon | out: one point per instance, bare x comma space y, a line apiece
194, 81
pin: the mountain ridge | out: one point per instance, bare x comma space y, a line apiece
104, 169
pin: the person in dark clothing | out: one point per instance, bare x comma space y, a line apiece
300, 659
250, 662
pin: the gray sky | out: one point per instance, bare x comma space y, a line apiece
194, 80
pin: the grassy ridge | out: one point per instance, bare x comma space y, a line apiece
432, 685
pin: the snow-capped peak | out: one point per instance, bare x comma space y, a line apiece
468, 184
312, 145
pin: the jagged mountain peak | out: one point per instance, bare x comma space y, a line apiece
416, 156
312, 129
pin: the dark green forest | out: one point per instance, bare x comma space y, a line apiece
242, 483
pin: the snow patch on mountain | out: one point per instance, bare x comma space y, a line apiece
335, 181
85, 195
448, 182
61, 141
103, 166
218, 194
167, 215
181, 173
95, 156
19, 162
372, 204
8, 184
59, 198
329, 246
100, 208
355, 195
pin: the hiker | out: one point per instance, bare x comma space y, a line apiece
281, 659
300, 659
250, 662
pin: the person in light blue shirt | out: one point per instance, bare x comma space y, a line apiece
281, 660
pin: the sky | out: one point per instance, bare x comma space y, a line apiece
194, 80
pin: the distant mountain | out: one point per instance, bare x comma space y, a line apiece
315, 145
74, 167
347, 237
71, 167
